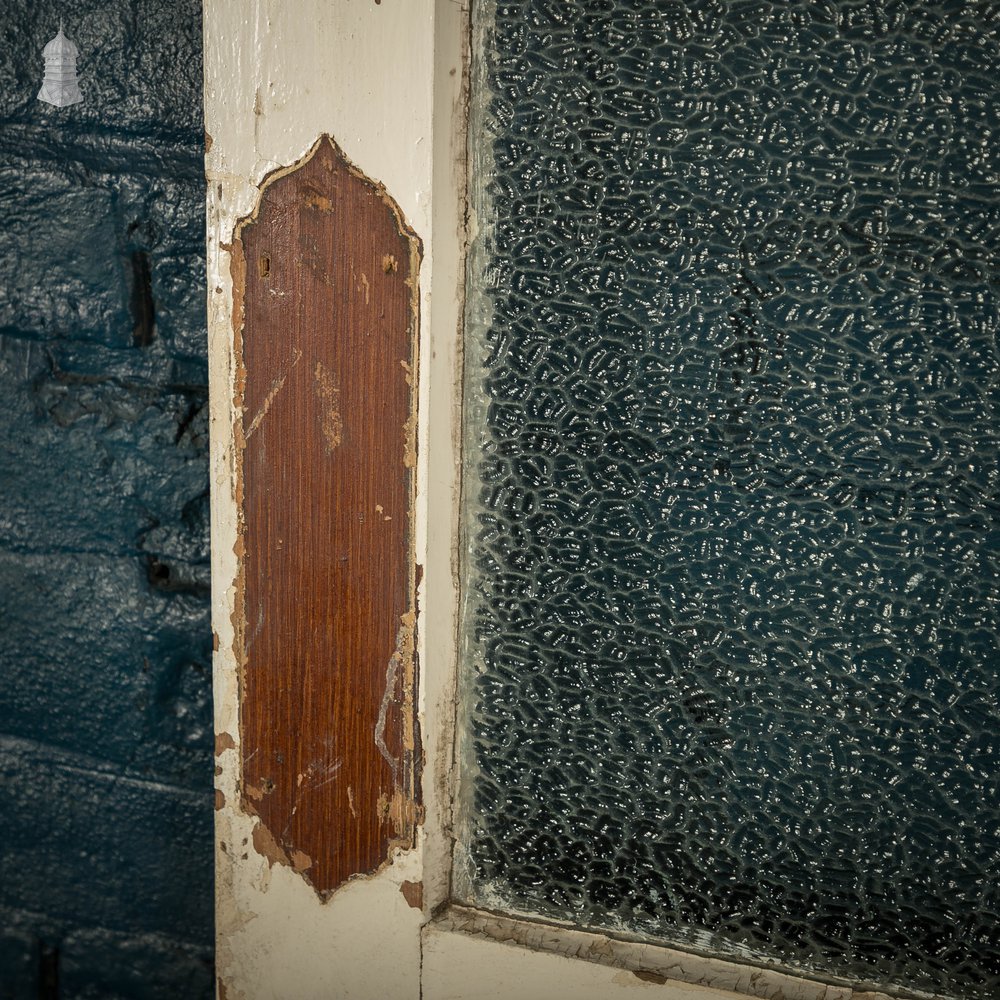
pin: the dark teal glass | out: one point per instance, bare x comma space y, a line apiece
732, 515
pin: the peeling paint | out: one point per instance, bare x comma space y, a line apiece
329, 393
276, 386
413, 893
399, 669
410, 443
223, 742
267, 847
319, 201
650, 977
301, 861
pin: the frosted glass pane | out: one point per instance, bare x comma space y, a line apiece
731, 520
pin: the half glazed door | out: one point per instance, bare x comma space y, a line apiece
601, 398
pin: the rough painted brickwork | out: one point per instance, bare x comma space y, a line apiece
105, 644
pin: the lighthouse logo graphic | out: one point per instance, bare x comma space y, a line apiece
59, 86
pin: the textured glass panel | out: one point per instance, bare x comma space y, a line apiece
732, 464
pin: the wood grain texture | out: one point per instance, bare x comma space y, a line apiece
325, 279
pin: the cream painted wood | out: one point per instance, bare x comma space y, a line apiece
459, 967
463, 967
278, 73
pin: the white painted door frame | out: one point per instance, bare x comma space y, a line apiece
385, 78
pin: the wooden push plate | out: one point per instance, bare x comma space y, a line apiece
325, 277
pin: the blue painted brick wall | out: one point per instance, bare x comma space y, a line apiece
105, 643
